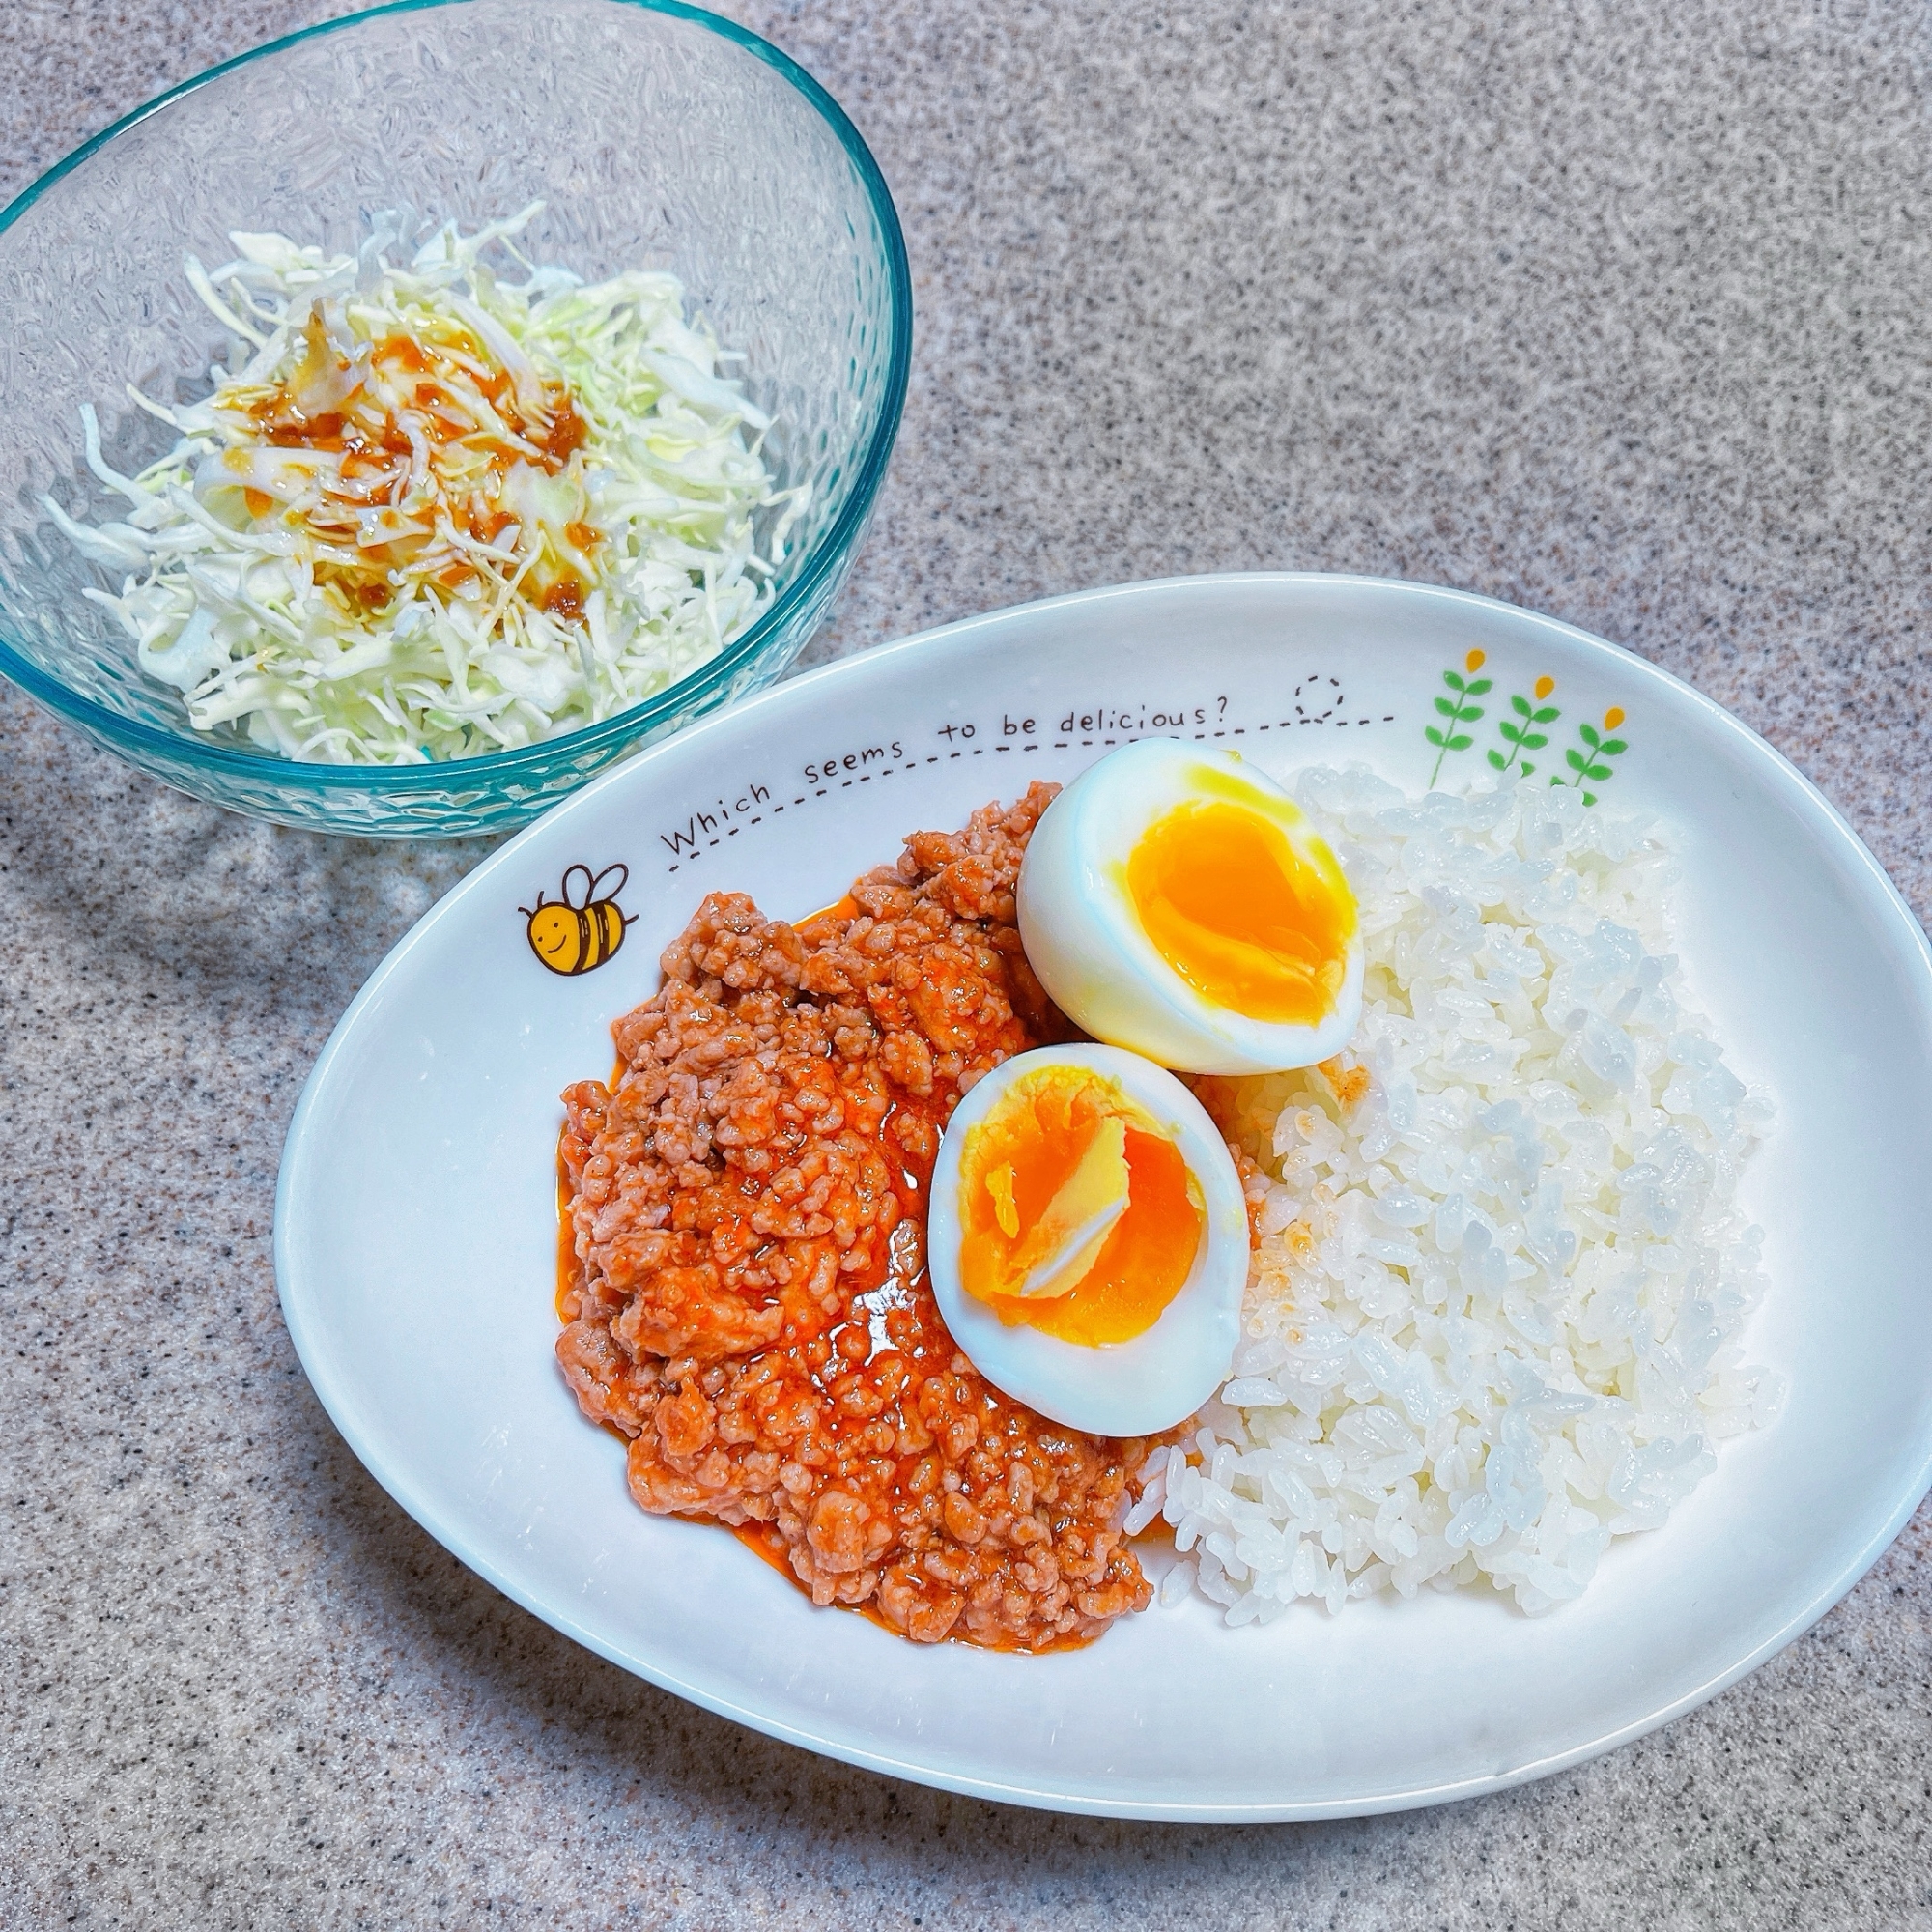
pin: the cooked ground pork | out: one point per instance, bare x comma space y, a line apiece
750, 1304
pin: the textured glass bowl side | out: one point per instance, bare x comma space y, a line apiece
467, 796
681, 142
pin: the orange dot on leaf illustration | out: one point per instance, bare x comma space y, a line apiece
1613, 717
1545, 686
1473, 662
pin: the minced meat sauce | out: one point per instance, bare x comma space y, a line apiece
748, 1302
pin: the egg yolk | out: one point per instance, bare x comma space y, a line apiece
1255, 921
1077, 1213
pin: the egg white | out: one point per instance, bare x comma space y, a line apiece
1085, 940
1115, 1388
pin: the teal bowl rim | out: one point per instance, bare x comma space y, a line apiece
825, 558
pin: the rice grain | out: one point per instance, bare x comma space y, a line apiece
1494, 1305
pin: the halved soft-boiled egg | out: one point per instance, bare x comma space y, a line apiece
1087, 1239
1177, 901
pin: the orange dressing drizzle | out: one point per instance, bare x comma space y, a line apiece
469, 465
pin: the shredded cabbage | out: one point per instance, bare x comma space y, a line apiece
427, 513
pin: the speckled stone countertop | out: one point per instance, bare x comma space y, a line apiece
1618, 312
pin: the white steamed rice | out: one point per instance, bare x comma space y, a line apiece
1494, 1311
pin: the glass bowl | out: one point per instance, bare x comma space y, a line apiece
655, 135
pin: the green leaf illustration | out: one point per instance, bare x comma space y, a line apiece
1593, 762
1457, 712
1518, 733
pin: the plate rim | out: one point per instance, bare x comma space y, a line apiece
1888, 899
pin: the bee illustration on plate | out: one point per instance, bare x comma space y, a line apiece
584, 929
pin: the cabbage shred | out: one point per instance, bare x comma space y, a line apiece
428, 513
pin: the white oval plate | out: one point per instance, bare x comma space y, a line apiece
416, 1223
